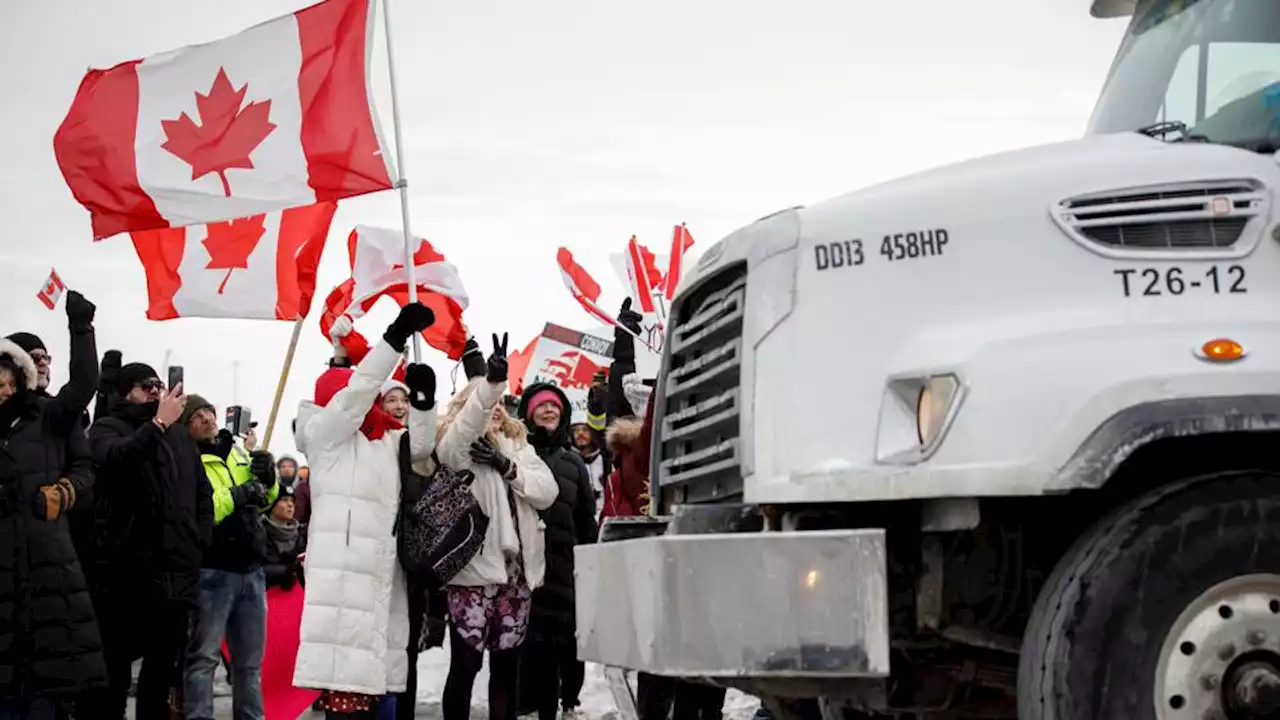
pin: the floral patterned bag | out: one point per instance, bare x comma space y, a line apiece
440, 526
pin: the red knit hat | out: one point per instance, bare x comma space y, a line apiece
376, 422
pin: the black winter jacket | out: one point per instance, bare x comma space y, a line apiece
281, 566
154, 507
50, 646
570, 521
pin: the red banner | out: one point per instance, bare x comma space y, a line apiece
280, 699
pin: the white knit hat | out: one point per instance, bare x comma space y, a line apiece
394, 384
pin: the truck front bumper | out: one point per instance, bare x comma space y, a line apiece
770, 604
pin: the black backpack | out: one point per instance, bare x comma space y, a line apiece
440, 526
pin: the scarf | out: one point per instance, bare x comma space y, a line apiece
133, 414
377, 422
284, 535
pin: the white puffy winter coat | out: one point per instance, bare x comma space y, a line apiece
355, 622
534, 487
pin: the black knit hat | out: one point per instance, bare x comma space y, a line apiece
27, 341
131, 375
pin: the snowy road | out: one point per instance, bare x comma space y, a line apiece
433, 667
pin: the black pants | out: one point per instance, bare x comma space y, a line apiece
658, 697
406, 702
694, 701
464, 665
153, 630
551, 678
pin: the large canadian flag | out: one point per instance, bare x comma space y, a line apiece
261, 267
277, 116
377, 270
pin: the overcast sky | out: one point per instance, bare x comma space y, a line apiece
564, 122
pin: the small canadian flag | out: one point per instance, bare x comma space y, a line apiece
51, 292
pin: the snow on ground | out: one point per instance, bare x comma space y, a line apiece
597, 700
433, 667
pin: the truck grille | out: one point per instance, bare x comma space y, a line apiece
1181, 217
699, 452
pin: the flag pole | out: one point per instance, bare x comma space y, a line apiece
402, 183
284, 379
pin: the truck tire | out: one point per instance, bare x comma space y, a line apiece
1167, 608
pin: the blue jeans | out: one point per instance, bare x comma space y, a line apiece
39, 709
233, 605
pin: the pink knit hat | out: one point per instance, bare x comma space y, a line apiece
545, 396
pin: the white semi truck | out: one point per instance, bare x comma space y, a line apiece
1000, 439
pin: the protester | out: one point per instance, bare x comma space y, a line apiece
302, 497
395, 399
626, 490
50, 646
287, 471
156, 518
233, 584
395, 402
589, 444
489, 598
549, 667
355, 624
286, 544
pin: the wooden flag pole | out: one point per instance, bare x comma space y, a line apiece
284, 380
402, 184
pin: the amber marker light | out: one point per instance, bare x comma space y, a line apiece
1221, 350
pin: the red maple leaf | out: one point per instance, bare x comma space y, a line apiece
226, 134
230, 243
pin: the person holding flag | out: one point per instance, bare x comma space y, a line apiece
355, 620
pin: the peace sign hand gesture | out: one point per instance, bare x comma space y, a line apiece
496, 371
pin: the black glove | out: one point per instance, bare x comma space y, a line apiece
496, 372
624, 343
223, 443
111, 362
421, 381
628, 318
79, 311
413, 318
263, 467
249, 495
483, 452
472, 359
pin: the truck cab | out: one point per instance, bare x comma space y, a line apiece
998, 439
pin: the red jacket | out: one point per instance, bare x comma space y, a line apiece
627, 491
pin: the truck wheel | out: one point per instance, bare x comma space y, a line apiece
1167, 608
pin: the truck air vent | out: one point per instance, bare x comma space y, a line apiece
1203, 218
699, 412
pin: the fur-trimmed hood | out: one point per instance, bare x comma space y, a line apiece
22, 360
623, 433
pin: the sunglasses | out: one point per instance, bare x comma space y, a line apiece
41, 358
152, 386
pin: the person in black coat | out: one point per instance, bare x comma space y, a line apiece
550, 669
154, 508
50, 647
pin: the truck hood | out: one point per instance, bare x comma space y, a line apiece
1049, 173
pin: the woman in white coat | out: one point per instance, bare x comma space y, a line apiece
355, 623
489, 598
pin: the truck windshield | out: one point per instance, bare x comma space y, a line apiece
1213, 65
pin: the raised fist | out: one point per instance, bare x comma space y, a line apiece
413, 318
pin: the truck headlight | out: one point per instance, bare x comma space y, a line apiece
914, 416
937, 394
